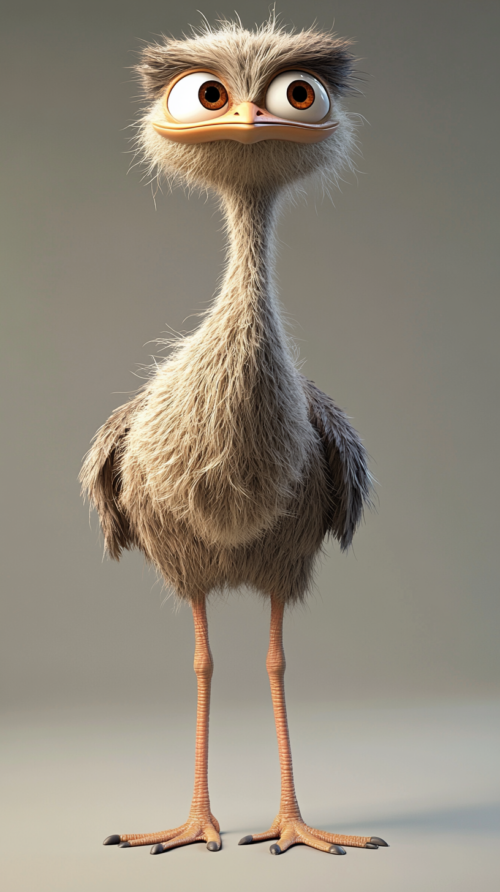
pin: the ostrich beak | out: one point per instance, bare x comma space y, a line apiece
245, 123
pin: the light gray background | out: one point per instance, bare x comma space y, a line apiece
392, 295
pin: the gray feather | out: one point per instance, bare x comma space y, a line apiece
349, 479
101, 477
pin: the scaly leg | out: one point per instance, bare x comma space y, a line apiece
288, 827
201, 826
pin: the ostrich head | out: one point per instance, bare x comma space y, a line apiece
237, 110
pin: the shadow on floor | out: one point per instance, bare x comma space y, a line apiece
456, 819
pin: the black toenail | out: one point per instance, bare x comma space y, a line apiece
112, 840
379, 842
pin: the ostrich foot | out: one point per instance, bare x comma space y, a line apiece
198, 828
292, 831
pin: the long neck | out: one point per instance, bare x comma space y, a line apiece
246, 297
250, 222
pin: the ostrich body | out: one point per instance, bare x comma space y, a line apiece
229, 467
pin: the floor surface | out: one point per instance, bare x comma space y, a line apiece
425, 778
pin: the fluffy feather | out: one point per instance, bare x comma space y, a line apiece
248, 59
101, 477
349, 479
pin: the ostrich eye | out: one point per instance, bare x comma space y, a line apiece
300, 94
212, 95
198, 96
297, 96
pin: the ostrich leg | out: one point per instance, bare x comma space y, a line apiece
288, 827
201, 826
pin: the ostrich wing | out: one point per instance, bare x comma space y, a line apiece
349, 479
101, 480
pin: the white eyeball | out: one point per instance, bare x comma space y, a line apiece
197, 97
297, 96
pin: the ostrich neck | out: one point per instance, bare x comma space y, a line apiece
246, 300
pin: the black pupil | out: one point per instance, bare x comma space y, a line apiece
299, 93
212, 94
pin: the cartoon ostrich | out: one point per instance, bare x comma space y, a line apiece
229, 467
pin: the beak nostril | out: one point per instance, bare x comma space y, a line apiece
259, 113
236, 113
